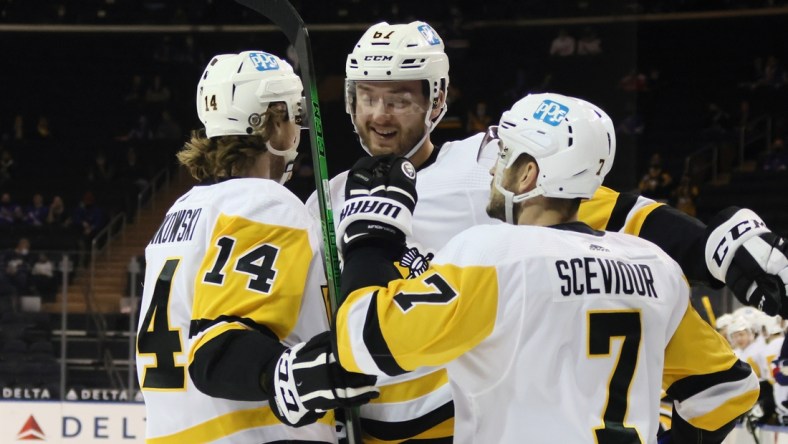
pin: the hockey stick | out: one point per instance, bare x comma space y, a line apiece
282, 14
709, 311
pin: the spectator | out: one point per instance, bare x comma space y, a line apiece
563, 45
57, 217
7, 168
157, 92
88, 218
142, 131
632, 124
43, 131
589, 43
718, 119
101, 172
133, 174
776, 158
135, 93
43, 278
685, 195
18, 264
10, 212
655, 184
36, 214
168, 128
633, 81
772, 75
19, 133
478, 119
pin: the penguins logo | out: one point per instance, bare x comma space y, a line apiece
415, 262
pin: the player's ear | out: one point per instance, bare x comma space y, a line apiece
527, 175
437, 105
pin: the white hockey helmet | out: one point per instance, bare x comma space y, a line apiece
738, 324
723, 321
412, 51
572, 141
235, 90
772, 325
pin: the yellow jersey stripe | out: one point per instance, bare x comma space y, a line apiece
412, 389
596, 211
212, 333
695, 350
726, 412
226, 425
635, 223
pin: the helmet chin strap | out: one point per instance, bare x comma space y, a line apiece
289, 156
430, 125
509, 197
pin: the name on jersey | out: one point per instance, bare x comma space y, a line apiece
594, 275
177, 226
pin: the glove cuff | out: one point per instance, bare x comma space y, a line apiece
728, 231
378, 209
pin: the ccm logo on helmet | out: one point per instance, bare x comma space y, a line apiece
263, 61
378, 58
551, 113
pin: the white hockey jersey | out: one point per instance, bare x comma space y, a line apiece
453, 192
243, 252
550, 336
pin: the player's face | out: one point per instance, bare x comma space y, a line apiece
741, 339
389, 116
496, 207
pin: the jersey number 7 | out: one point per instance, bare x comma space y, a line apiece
603, 327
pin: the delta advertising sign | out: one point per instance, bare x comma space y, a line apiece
71, 422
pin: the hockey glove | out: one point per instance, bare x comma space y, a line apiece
750, 259
380, 196
307, 380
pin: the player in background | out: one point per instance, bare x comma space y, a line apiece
606, 315
233, 274
396, 82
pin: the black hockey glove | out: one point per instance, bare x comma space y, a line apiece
380, 196
307, 380
750, 259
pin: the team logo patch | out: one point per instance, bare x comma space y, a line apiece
429, 34
551, 113
263, 61
408, 169
415, 262
255, 120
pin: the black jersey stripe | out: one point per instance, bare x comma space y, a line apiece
683, 238
692, 385
618, 216
376, 344
199, 325
392, 431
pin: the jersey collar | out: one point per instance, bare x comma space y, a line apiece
578, 227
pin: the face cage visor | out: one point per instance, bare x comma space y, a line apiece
492, 150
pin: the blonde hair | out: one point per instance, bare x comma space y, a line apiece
224, 156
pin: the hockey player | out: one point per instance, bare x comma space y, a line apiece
241, 251
607, 314
403, 71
